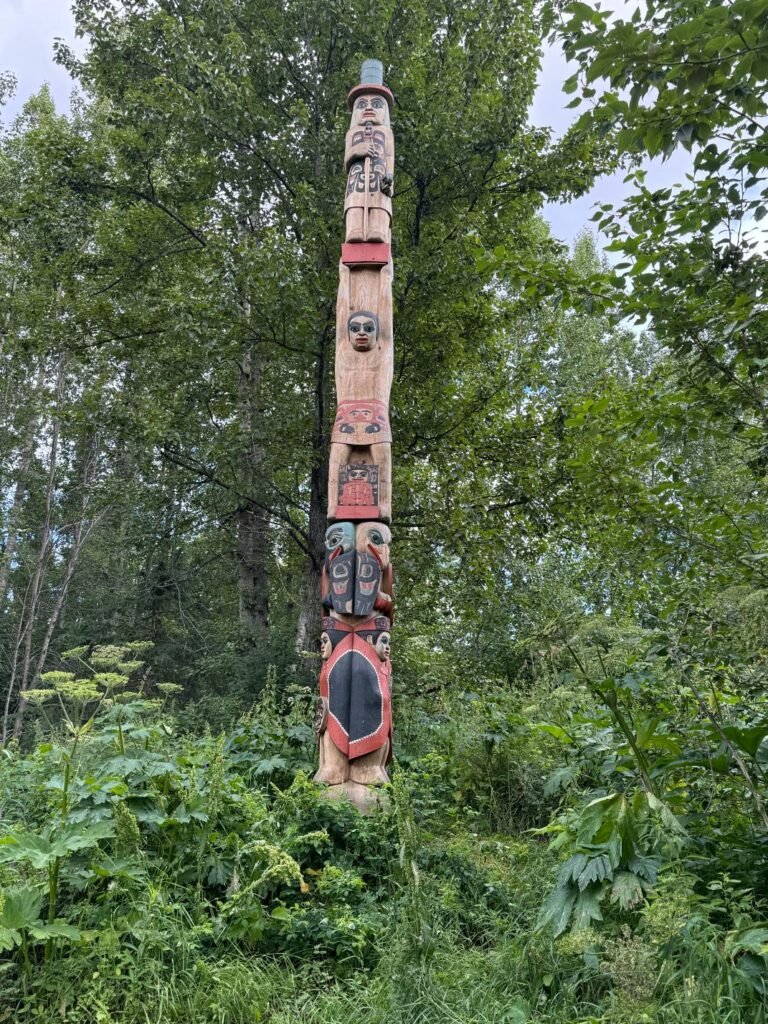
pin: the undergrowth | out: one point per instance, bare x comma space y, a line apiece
153, 874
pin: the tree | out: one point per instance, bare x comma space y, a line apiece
223, 175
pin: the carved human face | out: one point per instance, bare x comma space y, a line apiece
325, 646
363, 330
371, 108
382, 646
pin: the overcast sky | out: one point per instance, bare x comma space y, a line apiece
28, 28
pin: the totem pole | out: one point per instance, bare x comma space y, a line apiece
354, 710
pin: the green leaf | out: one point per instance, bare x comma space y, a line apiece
748, 940
9, 938
746, 738
35, 849
587, 908
556, 909
78, 837
56, 930
596, 870
627, 890
21, 907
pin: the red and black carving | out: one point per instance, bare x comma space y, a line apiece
361, 423
379, 180
357, 582
358, 489
356, 683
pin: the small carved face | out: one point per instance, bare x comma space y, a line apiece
357, 471
371, 108
363, 330
326, 647
382, 646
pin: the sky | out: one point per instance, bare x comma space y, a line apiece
29, 27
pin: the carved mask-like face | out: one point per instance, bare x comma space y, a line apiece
382, 646
325, 646
375, 539
371, 108
363, 330
340, 535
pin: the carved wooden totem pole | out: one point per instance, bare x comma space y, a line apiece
355, 718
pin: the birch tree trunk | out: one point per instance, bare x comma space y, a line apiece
22, 653
19, 492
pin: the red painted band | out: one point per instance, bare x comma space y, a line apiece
365, 253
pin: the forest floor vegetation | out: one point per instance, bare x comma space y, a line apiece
152, 875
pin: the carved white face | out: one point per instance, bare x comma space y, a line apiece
382, 646
371, 108
325, 646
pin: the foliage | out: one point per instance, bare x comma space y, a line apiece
580, 525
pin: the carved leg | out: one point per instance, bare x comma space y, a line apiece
379, 229
334, 766
355, 224
369, 770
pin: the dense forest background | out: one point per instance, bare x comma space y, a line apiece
577, 829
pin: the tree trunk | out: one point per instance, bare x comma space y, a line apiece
253, 539
19, 492
22, 653
308, 629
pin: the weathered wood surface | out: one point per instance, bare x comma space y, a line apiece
364, 373
354, 719
369, 159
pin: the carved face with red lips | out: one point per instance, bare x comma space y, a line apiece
363, 330
371, 108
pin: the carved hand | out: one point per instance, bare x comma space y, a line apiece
387, 184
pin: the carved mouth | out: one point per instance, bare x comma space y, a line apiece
339, 588
367, 588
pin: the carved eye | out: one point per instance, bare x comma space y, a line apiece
376, 537
333, 538
377, 104
368, 327
355, 327
362, 104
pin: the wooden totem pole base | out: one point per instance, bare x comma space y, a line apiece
366, 799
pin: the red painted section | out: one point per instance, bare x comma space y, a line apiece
368, 253
357, 512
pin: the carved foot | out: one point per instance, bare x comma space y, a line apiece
369, 770
366, 799
333, 769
